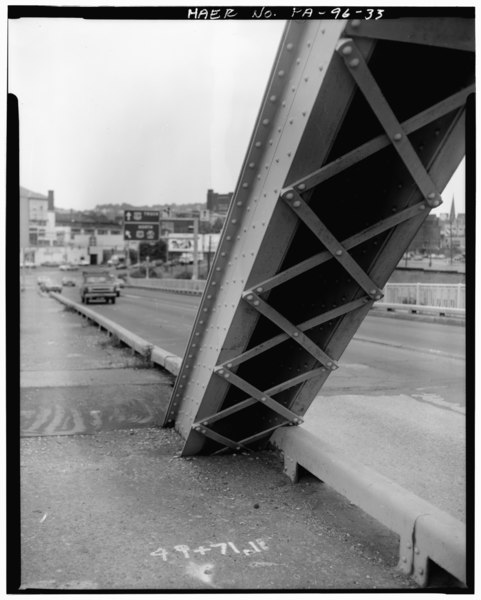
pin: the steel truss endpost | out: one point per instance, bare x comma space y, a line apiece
253, 363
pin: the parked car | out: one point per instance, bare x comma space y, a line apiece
68, 267
97, 285
51, 286
68, 282
41, 280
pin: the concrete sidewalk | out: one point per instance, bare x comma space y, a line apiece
107, 504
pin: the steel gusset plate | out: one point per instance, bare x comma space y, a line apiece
348, 156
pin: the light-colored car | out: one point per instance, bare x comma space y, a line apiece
119, 283
97, 285
51, 286
68, 282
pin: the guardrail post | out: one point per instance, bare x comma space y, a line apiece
458, 299
418, 294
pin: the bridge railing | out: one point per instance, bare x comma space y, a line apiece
413, 294
426, 294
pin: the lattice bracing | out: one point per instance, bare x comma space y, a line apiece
356, 138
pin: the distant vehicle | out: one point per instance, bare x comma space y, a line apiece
187, 258
68, 282
118, 283
84, 262
29, 263
68, 267
50, 263
460, 258
97, 285
51, 286
117, 261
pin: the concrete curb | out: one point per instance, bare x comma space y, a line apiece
427, 534
170, 362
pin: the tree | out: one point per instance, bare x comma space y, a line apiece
154, 250
217, 225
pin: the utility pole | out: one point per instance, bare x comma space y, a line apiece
195, 273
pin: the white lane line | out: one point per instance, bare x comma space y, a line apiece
410, 348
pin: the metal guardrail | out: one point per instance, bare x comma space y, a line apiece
181, 286
427, 534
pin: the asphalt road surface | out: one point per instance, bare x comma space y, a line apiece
405, 355
397, 403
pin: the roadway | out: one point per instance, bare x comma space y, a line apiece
397, 402
410, 353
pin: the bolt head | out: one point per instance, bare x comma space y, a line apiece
289, 46
289, 196
432, 195
354, 63
273, 98
355, 23
347, 50
296, 204
259, 289
301, 186
295, 334
250, 297
397, 137
281, 73
338, 252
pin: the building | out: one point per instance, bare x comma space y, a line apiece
453, 234
428, 238
39, 211
218, 203
92, 234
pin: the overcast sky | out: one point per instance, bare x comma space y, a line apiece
144, 112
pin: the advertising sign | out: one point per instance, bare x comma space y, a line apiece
180, 244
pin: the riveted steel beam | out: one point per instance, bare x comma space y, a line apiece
363, 195
291, 330
220, 439
348, 244
452, 33
411, 125
371, 90
258, 395
227, 412
338, 251
309, 324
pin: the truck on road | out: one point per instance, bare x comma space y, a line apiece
97, 285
